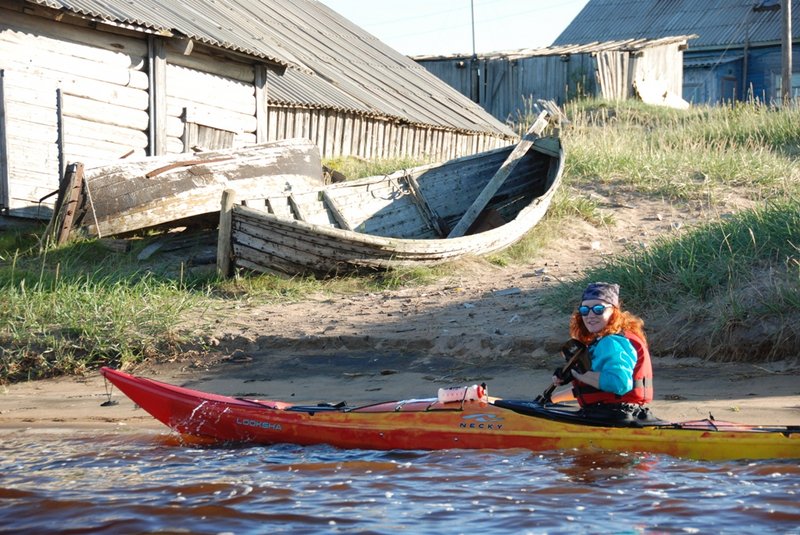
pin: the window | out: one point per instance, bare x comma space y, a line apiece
779, 86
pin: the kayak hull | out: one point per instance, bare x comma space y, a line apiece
426, 424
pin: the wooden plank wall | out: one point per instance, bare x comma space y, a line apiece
658, 62
104, 92
343, 134
214, 93
614, 74
508, 84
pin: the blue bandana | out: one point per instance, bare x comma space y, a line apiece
602, 291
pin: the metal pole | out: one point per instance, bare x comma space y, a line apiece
786, 71
472, 12
475, 70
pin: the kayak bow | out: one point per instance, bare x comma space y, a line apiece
428, 424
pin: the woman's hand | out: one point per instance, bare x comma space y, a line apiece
590, 378
560, 377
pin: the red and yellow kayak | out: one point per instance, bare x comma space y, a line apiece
427, 424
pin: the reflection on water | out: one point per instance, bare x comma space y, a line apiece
139, 483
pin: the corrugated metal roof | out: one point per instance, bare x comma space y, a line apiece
717, 23
629, 45
207, 22
711, 61
337, 65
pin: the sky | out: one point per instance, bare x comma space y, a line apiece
440, 27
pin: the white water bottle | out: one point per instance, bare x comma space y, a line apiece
462, 393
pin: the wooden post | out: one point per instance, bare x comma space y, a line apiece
4, 171
66, 208
157, 71
225, 238
62, 165
500, 176
260, 82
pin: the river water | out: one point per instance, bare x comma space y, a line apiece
148, 482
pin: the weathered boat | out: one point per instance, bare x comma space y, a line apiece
428, 424
474, 205
131, 195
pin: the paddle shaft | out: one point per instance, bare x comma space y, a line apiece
547, 394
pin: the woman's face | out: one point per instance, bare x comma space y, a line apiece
595, 322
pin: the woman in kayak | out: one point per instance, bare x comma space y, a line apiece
620, 380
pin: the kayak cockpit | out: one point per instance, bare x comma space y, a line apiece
576, 415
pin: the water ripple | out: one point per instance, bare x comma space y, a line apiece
146, 483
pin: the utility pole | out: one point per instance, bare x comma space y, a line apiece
786, 56
475, 72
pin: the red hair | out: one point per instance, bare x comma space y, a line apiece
619, 322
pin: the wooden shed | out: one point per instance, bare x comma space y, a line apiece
737, 52
502, 82
95, 81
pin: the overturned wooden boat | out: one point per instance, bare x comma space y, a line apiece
474, 205
172, 190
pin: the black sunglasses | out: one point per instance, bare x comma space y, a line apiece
597, 309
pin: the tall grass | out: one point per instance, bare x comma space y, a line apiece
706, 262
685, 155
73, 308
56, 326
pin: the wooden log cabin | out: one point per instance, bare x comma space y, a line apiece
94, 82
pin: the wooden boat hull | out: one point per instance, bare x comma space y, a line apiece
430, 425
399, 220
129, 196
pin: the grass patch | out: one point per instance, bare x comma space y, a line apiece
697, 154
75, 308
58, 326
353, 167
683, 155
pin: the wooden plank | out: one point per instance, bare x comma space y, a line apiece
501, 175
224, 246
101, 112
430, 215
74, 190
337, 213
200, 61
158, 95
61, 64
3, 146
62, 163
76, 40
298, 212
261, 96
204, 88
279, 207
104, 132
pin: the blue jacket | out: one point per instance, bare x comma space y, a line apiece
614, 357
